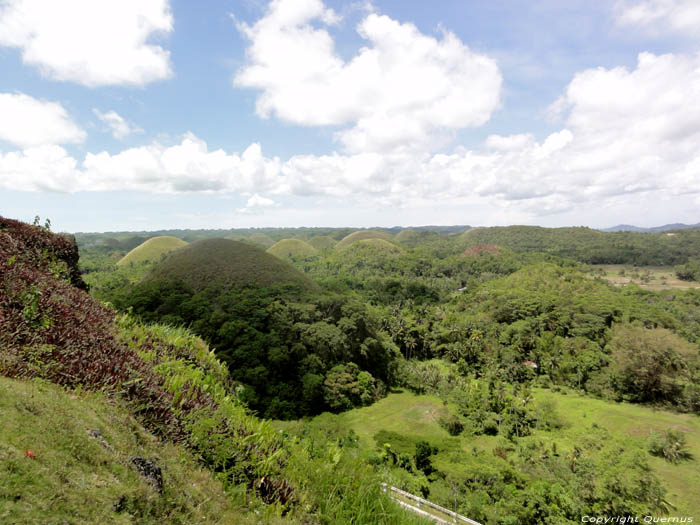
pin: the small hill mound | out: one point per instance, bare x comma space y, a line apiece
261, 239
292, 248
361, 236
377, 245
152, 250
323, 242
413, 238
226, 263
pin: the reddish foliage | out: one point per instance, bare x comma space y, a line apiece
38, 241
481, 249
51, 329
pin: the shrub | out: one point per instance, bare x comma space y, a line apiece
671, 446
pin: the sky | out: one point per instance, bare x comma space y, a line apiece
163, 114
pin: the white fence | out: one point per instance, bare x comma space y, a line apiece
420, 502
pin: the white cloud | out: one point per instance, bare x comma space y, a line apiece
26, 122
117, 125
91, 42
402, 90
257, 203
660, 16
628, 136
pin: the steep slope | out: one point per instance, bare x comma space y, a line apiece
73, 458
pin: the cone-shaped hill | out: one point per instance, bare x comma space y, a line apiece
292, 248
377, 246
227, 264
361, 236
323, 242
152, 249
413, 238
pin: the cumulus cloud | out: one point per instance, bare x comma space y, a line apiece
116, 124
27, 122
257, 203
402, 90
660, 16
627, 136
91, 42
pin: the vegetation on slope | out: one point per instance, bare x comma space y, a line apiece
360, 236
288, 249
174, 385
152, 250
68, 457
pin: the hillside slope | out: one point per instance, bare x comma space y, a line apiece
70, 458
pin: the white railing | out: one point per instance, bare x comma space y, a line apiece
456, 518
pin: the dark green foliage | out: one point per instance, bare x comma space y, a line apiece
671, 446
283, 350
592, 246
422, 457
650, 364
689, 271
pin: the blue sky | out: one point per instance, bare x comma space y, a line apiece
152, 114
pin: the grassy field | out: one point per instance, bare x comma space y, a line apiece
415, 417
65, 457
648, 277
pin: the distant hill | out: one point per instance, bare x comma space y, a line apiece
361, 236
322, 242
655, 229
589, 245
226, 263
377, 245
152, 249
292, 248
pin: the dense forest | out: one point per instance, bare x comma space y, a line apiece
493, 327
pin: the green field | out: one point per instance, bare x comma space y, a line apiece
647, 277
415, 416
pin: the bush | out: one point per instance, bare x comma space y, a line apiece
671, 446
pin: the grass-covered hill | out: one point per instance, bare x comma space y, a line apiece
152, 250
226, 263
591, 246
322, 242
291, 249
361, 236
381, 246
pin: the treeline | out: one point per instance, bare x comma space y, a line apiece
593, 246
